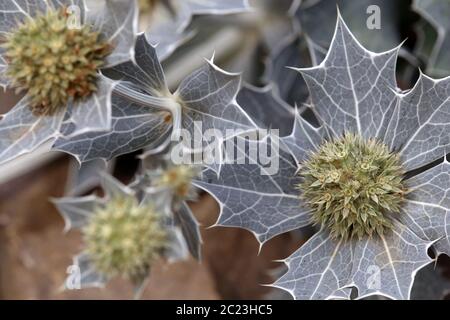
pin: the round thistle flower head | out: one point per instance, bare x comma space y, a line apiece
53, 62
179, 179
124, 238
352, 186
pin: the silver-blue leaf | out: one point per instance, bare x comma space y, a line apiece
22, 132
426, 209
251, 198
116, 20
352, 90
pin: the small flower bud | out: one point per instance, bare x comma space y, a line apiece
124, 238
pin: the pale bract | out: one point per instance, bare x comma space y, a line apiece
352, 90
147, 115
21, 131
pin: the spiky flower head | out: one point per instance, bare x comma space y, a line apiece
353, 186
54, 62
124, 238
178, 178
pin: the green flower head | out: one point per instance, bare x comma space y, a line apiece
353, 185
124, 238
54, 62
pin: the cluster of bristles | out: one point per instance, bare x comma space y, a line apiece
53, 62
124, 238
353, 186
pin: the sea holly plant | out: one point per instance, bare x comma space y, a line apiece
134, 124
53, 54
355, 178
145, 114
335, 151
124, 234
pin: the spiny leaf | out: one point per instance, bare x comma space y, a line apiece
144, 110
419, 127
400, 253
208, 102
82, 179
294, 51
93, 114
304, 138
117, 22
86, 276
13, 12
394, 257
352, 89
144, 71
266, 108
133, 127
427, 207
209, 95
323, 267
22, 132
159, 172
76, 211
318, 269
162, 200
266, 205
